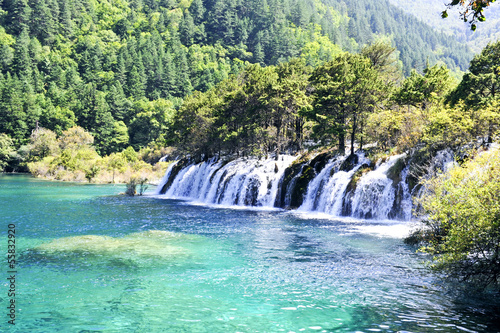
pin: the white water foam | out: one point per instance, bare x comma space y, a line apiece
375, 193
241, 182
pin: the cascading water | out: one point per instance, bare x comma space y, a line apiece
406, 199
330, 188
320, 188
243, 181
165, 178
375, 192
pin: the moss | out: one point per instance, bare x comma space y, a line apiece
351, 188
305, 170
394, 172
349, 163
319, 162
175, 171
300, 189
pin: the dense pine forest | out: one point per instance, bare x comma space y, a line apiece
121, 69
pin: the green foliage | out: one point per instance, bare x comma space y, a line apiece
43, 142
72, 156
132, 185
462, 228
255, 111
6, 150
471, 11
423, 90
91, 172
345, 90
447, 127
479, 88
122, 66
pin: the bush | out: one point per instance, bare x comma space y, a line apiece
6, 150
462, 227
132, 185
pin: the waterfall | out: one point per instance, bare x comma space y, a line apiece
339, 186
165, 178
243, 181
406, 198
291, 186
375, 192
375, 195
315, 191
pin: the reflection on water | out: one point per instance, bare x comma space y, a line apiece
92, 261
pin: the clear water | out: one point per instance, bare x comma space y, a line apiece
229, 270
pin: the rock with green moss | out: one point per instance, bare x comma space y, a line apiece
296, 179
175, 171
351, 188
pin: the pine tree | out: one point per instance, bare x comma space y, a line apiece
22, 62
258, 54
197, 11
135, 86
169, 87
187, 29
19, 16
183, 83
42, 22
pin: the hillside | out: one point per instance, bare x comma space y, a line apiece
120, 69
429, 11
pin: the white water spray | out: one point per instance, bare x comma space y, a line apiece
242, 182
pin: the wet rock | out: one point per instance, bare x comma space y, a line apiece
175, 170
290, 173
252, 193
351, 189
349, 163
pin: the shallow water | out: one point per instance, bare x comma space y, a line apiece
214, 269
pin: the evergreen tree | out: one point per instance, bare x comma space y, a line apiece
19, 16
42, 22
197, 11
22, 61
187, 29
345, 89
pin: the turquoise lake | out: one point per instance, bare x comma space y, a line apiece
91, 260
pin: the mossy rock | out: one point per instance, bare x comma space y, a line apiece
351, 188
394, 172
304, 172
290, 173
349, 163
175, 171
252, 192
300, 188
319, 162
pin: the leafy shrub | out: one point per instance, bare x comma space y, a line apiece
462, 227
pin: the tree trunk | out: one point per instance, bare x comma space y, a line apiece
353, 132
490, 132
342, 143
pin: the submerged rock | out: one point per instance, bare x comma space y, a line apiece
133, 249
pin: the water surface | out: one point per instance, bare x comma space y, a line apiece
215, 269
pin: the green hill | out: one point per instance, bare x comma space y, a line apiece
120, 68
429, 12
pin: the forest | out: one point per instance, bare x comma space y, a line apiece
125, 71
357, 98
